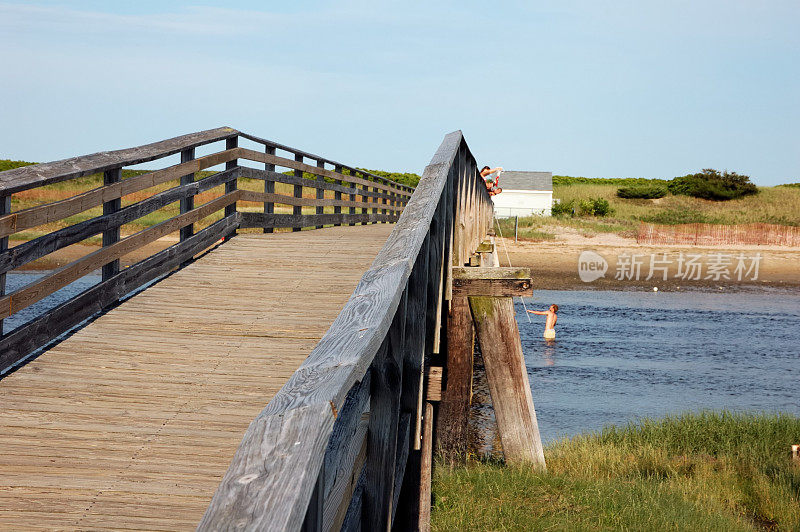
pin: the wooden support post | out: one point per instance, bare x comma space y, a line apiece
337, 195
187, 203
232, 185
298, 192
451, 427
320, 191
375, 209
426, 469
269, 187
5, 208
353, 196
498, 336
111, 235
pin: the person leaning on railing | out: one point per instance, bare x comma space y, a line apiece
492, 183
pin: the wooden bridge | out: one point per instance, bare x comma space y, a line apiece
260, 381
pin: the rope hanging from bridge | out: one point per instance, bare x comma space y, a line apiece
508, 258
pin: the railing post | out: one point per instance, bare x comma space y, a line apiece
269, 186
112, 235
376, 190
231, 185
338, 194
187, 203
320, 191
353, 196
297, 210
5, 208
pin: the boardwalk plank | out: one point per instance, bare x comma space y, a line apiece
133, 420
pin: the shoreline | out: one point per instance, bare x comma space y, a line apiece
554, 264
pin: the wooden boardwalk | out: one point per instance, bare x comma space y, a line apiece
132, 421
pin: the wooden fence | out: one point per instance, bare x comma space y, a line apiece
347, 442
368, 199
712, 234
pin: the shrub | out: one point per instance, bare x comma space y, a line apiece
562, 208
675, 217
713, 185
650, 191
594, 207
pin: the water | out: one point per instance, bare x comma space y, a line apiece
623, 355
15, 281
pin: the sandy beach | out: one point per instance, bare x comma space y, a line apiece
555, 263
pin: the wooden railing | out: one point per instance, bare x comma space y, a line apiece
370, 199
347, 442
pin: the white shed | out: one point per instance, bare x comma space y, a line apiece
524, 194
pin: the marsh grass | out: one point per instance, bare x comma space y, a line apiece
775, 205
702, 471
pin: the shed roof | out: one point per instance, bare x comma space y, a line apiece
519, 180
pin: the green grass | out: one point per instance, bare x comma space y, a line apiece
704, 471
774, 205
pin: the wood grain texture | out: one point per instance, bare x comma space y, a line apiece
64, 275
59, 210
39, 247
260, 219
452, 422
321, 384
38, 332
498, 335
132, 421
38, 175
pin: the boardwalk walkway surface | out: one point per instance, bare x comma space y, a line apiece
132, 421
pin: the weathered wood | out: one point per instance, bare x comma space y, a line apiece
187, 203
5, 208
258, 219
426, 470
434, 389
492, 287
231, 186
298, 166
255, 173
306, 403
385, 415
453, 418
297, 210
469, 274
59, 210
61, 277
36, 333
346, 452
38, 175
269, 187
307, 155
320, 193
111, 236
498, 336
337, 196
33, 249
250, 195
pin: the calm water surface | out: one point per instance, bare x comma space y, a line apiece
623, 355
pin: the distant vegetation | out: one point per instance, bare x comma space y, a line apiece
707, 471
648, 191
712, 185
406, 178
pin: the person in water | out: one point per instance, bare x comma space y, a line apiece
492, 184
550, 324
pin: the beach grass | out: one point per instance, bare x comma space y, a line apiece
699, 471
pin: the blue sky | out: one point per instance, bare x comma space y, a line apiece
632, 89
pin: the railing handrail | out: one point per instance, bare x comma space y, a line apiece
37, 175
272, 476
40, 174
307, 155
